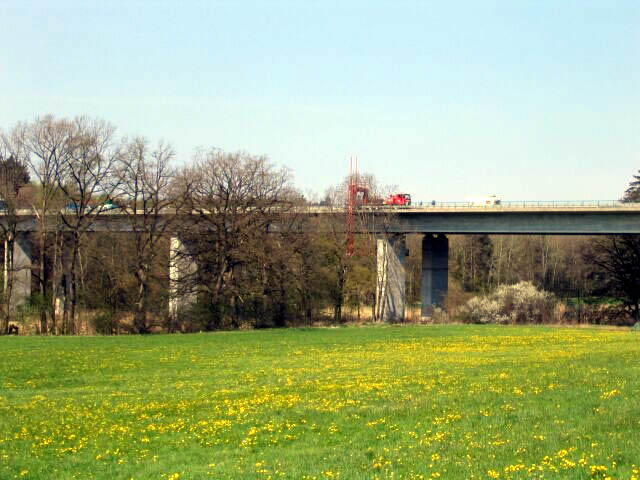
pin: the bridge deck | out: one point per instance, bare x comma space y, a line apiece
554, 218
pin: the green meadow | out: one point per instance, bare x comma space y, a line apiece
461, 402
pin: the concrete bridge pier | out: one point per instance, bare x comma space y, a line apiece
182, 275
22, 253
435, 272
391, 278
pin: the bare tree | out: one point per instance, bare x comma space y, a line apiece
618, 258
85, 178
45, 144
306, 269
372, 221
145, 182
335, 245
276, 269
236, 198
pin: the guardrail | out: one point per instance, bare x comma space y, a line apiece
529, 203
420, 205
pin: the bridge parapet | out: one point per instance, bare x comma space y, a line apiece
420, 206
532, 204
554, 218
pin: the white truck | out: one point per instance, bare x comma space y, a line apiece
486, 201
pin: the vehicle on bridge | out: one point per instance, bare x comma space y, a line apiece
104, 207
398, 199
487, 201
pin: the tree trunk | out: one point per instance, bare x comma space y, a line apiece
57, 253
339, 298
74, 289
42, 282
140, 316
282, 307
8, 281
70, 300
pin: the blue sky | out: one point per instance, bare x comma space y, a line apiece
530, 100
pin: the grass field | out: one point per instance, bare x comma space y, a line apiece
387, 402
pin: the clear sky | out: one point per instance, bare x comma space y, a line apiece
530, 100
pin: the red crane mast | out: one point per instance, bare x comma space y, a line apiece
354, 187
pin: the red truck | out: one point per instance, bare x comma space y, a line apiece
398, 199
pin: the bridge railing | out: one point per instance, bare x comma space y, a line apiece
529, 204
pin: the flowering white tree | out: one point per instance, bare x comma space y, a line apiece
519, 303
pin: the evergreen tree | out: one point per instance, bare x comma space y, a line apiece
632, 193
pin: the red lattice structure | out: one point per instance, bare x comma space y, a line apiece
354, 188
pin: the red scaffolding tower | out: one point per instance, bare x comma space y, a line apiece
354, 188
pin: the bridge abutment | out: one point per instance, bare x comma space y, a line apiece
182, 272
391, 278
435, 272
22, 254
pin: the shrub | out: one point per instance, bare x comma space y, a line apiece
599, 314
104, 323
519, 303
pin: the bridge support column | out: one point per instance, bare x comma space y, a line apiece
391, 279
435, 272
22, 250
182, 272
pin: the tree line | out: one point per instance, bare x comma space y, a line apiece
255, 267
68, 171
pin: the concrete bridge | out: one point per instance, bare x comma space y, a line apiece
392, 224
515, 218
